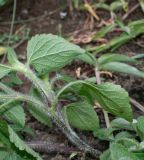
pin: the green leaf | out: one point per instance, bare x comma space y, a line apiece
20, 144
13, 156
3, 154
123, 68
115, 100
25, 129
142, 4
76, 4
15, 144
124, 28
136, 28
3, 2
125, 5
3, 50
16, 114
119, 152
39, 113
4, 70
11, 55
138, 56
140, 126
123, 134
116, 5
104, 133
4, 136
6, 89
14, 79
111, 97
102, 5
88, 58
140, 155
49, 52
62, 77
114, 58
121, 123
106, 155
128, 143
82, 116
104, 31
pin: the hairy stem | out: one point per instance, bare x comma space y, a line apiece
56, 118
6, 89
21, 97
74, 138
46, 93
71, 135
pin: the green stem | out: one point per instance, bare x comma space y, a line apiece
21, 97
74, 138
5, 106
57, 119
48, 94
6, 89
45, 79
40, 85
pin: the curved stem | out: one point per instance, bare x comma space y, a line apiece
40, 85
57, 119
46, 93
74, 138
71, 135
22, 97
6, 88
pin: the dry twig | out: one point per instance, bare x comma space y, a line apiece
130, 11
136, 104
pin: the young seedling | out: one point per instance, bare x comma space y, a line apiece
48, 53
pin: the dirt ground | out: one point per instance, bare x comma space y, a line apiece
48, 20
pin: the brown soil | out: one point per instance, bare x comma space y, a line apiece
74, 24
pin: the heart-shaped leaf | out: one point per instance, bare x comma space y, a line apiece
82, 116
